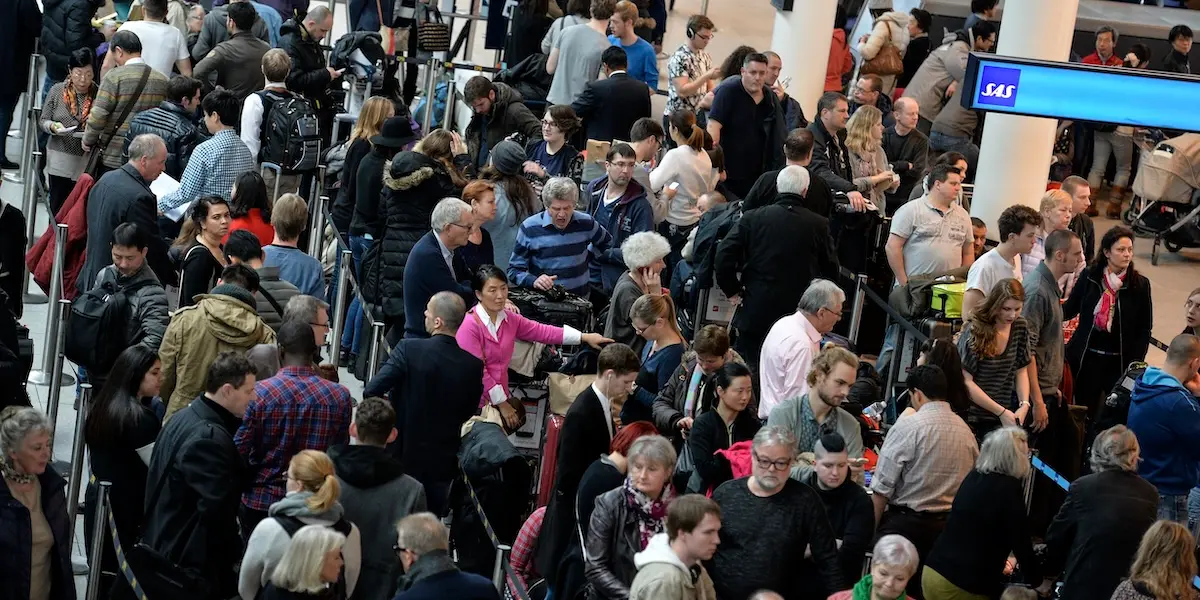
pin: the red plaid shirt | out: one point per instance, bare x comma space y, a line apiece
521, 559
295, 410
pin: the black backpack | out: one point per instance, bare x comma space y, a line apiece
98, 330
291, 135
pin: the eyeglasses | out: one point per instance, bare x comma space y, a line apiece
461, 225
782, 464
398, 550
325, 325
704, 37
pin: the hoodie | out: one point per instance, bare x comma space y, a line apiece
376, 494
630, 214
947, 63
662, 576
1166, 419
269, 541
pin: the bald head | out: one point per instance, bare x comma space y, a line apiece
445, 313
318, 22
906, 112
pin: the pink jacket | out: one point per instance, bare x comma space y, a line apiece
840, 61
474, 337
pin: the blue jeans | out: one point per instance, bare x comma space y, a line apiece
1175, 508
940, 142
354, 316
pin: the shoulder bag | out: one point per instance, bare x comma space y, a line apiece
433, 34
96, 157
513, 402
887, 62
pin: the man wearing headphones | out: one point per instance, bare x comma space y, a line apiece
691, 76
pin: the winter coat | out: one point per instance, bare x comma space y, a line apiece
12, 258
413, 185
121, 196
668, 407
376, 494
281, 291
947, 63
20, 23
434, 577
198, 333
611, 544
1132, 323
426, 274
16, 540
148, 304
176, 126
662, 576
630, 214
214, 31
270, 540
1165, 416
500, 478
889, 28
67, 25
841, 62
309, 76
40, 258
508, 115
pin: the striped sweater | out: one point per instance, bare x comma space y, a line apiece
543, 249
116, 90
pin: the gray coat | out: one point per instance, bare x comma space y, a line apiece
281, 291
149, 305
235, 64
788, 414
945, 64
214, 31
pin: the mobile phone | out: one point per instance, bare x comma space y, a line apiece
673, 186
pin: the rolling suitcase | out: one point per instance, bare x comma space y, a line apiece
554, 425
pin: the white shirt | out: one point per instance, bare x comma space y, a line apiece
694, 173
607, 404
162, 44
447, 254
990, 269
252, 116
787, 355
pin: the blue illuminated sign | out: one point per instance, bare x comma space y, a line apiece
1054, 90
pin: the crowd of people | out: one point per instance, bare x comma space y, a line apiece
698, 460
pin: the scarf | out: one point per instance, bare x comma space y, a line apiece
651, 515
9, 469
689, 405
70, 99
862, 590
1111, 282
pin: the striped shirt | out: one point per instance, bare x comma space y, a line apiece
924, 459
996, 375
212, 170
543, 249
117, 90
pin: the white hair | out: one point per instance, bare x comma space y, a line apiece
300, 568
653, 448
774, 435
792, 180
896, 551
821, 293
643, 248
560, 188
422, 533
16, 423
145, 145
1115, 449
447, 211
999, 453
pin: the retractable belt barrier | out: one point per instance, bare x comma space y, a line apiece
502, 570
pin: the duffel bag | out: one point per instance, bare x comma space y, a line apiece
563, 309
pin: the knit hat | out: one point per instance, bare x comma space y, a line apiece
508, 157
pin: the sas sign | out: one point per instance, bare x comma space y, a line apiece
998, 86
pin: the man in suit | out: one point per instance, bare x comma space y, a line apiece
419, 371
797, 150
433, 266
610, 106
587, 432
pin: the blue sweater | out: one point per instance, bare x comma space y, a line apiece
296, 268
543, 249
656, 372
1166, 419
643, 62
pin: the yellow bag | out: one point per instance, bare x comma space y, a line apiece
948, 299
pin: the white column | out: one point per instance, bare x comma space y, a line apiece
801, 38
1014, 157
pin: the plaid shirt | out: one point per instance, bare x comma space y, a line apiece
924, 459
521, 559
295, 410
212, 170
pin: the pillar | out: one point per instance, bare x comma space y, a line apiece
801, 37
1014, 157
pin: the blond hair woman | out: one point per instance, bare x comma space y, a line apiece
868, 162
1164, 566
312, 499
310, 568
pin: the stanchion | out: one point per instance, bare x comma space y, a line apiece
430, 90
52, 347
502, 552
860, 298
77, 446
30, 153
893, 369
317, 189
451, 102
346, 259
375, 358
316, 227
704, 7
97, 547
29, 127
58, 379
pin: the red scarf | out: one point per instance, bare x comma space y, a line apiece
1110, 282
69, 99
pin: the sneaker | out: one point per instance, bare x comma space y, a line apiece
9, 165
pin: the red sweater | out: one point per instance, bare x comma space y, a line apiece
1094, 59
254, 223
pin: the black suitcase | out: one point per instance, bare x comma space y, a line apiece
555, 308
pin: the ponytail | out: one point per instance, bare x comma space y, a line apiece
650, 308
326, 495
684, 121
314, 471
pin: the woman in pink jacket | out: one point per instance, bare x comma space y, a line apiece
490, 331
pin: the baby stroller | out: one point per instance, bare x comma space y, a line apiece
1169, 183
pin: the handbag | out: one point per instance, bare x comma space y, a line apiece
516, 403
887, 62
686, 478
433, 35
96, 156
564, 389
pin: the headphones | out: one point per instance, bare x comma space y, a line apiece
691, 33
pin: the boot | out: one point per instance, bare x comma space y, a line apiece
1115, 201
1092, 211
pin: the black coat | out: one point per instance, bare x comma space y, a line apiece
708, 435
122, 196
583, 438
67, 25
416, 371
819, 198
20, 23
610, 106
193, 521
770, 257
1133, 321
12, 257
831, 159
1097, 532
501, 479
426, 274
343, 205
309, 76
176, 126
611, 543
16, 540
367, 193
413, 186
530, 27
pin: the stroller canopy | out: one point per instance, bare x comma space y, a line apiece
1170, 173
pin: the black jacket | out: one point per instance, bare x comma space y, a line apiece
501, 479
831, 159
708, 435
1174, 62
714, 225
193, 521
819, 198
367, 190
426, 274
611, 542
20, 23
16, 540
770, 257
1097, 532
531, 26
12, 257
1132, 323
343, 206
412, 187
610, 106
176, 126
508, 115
122, 196
67, 25
852, 518
987, 521
417, 370
309, 76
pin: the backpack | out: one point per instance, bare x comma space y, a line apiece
1115, 410
98, 330
291, 135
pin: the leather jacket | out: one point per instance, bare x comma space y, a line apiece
612, 541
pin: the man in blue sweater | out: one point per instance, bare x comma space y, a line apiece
555, 246
620, 205
1164, 413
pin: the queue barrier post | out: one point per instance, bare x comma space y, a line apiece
431, 82
51, 348
97, 548
57, 378
316, 227
451, 102
502, 552
77, 447
28, 126
860, 298
346, 260
375, 358
317, 188
29, 204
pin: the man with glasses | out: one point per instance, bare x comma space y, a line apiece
619, 205
768, 521
924, 459
819, 410
691, 76
433, 265
794, 342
